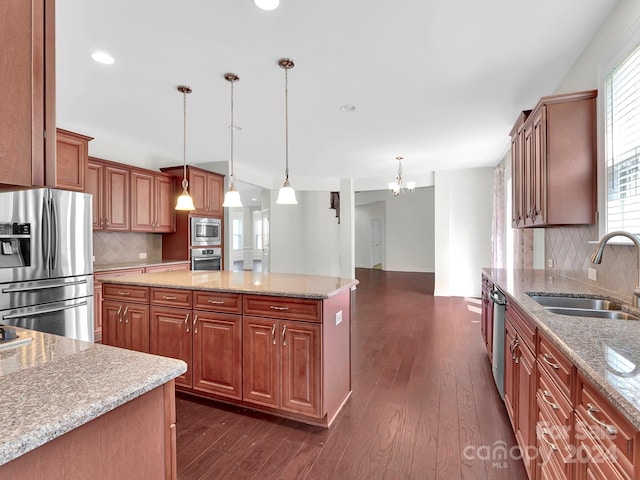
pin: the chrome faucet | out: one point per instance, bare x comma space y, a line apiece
596, 258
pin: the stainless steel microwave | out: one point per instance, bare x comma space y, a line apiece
206, 231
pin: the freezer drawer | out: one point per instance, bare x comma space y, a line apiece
69, 318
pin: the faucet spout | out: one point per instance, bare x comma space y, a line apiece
596, 258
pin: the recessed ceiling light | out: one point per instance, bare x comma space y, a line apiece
347, 108
254, 199
102, 57
267, 4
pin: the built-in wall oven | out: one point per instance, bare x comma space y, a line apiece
206, 232
206, 259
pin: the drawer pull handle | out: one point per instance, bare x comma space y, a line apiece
216, 302
186, 322
273, 334
546, 358
515, 357
284, 339
195, 325
611, 430
124, 294
166, 297
553, 446
546, 394
273, 307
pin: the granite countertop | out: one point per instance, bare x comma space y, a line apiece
606, 351
105, 267
54, 384
276, 284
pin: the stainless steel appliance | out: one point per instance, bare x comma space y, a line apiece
206, 232
46, 261
206, 259
499, 307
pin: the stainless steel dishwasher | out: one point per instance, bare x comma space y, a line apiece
499, 306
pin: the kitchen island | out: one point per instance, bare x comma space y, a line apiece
75, 410
278, 343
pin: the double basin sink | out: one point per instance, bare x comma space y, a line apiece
582, 306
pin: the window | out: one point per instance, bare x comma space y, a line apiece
237, 233
622, 144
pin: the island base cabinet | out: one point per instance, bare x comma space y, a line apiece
282, 365
170, 336
220, 372
125, 325
136, 440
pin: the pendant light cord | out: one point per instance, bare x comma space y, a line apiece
185, 183
232, 177
286, 123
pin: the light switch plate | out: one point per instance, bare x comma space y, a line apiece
550, 263
593, 274
339, 317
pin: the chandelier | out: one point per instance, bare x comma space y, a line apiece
399, 185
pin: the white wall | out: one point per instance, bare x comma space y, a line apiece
408, 229
463, 214
305, 238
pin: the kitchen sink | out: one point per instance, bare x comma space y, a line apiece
580, 303
590, 312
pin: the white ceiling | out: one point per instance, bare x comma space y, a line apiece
438, 82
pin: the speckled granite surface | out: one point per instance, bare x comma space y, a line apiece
606, 351
55, 384
278, 284
100, 268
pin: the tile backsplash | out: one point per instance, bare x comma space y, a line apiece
120, 247
570, 251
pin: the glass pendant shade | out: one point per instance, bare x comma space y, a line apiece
185, 202
287, 196
232, 198
267, 4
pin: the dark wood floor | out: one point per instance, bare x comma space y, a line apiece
424, 405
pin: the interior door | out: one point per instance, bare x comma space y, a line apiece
265, 241
376, 242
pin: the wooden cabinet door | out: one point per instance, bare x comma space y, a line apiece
528, 180
112, 332
301, 374
539, 167
198, 190
525, 411
27, 96
510, 371
215, 189
72, 152
136, 321
591, 462
97, 312
170, 336
164, 203
261, 361
116, 198
217, 353
94, 184
142, 201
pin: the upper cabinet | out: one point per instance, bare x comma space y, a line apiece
27, 96
553, 155
72, 151
109, 184
152, 202
206, 188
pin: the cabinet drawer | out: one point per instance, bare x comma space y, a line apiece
217, 302
283, 307
556, 365
554, 453
125, 293
550, 397
117, 273
171, 297
606, 425
174, 267
524, 326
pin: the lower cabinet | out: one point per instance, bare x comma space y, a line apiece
282, 365
126, 325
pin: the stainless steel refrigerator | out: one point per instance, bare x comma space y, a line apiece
46, 261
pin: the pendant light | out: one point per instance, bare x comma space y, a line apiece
286, 195
399, 185
232, 198
185, 202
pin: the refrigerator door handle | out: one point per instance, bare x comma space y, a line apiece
54, 235
46, 227
42, 287
42, 310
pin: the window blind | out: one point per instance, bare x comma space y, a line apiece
622, 144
